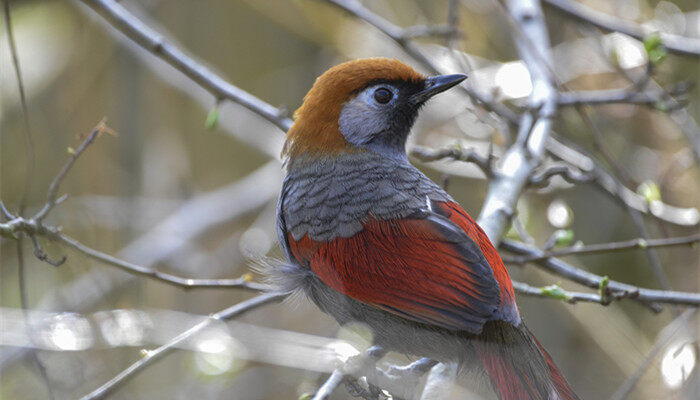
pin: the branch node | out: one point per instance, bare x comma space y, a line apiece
39, 253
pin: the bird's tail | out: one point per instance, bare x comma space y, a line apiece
519, 367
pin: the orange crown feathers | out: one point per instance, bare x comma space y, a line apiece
315, 128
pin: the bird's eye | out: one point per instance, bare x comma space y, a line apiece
383, 95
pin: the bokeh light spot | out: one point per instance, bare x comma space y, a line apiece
513, 79
69, 332
559, 214
678, 363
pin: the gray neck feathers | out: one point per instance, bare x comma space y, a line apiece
329, 197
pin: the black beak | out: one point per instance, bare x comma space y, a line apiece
435, 85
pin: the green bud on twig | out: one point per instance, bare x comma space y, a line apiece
556, 292
603, 289
564, 237
656, 52
212, 118
650, 191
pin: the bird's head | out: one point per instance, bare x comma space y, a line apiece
368, 104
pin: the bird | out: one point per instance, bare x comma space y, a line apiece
371, 240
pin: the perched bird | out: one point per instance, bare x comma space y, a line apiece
371, 239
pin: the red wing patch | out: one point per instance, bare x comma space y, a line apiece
455, 213
426, 270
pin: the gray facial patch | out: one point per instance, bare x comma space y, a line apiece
363, 118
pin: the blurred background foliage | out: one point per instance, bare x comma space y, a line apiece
77, 72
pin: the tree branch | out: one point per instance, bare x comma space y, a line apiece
560, 268
151, 40
556, 292
606, 248
427, 154
571, 175
627, 96
162, 351
520, 161
29, 139
197, 216
52, 193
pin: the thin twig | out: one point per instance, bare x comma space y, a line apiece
677, 44
5, 213
51, 196
617, 96
427, 154
33, 228
199, 215
29, 173
152, 273
649, 297
162, 351
39, 253
401, 381
418, 367
24, 302
560, 294
677, 114
622, 178
567, 173
29, 177
639, 243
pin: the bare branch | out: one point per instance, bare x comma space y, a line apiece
5, 213
555, 292
39, 253
24, 302
560, 268
520, 161
56, 183
606, 248
28, 178
152, 41
659, 101
34, 228
198, 216
162, 351
467, 155
570, 175
677, 44
29, 140
621, 178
